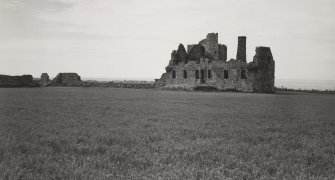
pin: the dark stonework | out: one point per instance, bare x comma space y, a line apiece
66, 79
197, 52
174, 58
45, 79
181, 54
211, 45
265, 74
162, 81
222, 52
241, 49
207, 67
17, 81
189, 47
121, 84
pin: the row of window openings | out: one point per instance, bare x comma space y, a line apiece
209, 75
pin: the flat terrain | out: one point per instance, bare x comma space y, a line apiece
106, 133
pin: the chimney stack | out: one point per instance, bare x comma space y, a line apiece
241, 49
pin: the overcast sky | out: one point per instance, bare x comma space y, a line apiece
134, 38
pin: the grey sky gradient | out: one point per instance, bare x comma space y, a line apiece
134, 38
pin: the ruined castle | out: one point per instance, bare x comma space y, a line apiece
17, 81
205, 65
62, 79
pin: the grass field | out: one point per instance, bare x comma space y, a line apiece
105, 133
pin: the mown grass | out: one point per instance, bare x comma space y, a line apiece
105, 133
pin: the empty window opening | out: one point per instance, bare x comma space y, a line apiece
243, 74
209, 74
173, 74
185, 74
197, 74
202, 80
226, 75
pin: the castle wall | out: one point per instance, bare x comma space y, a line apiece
263, 68
217, 79
197, 52
222, 52
161, 81
66, 79
44, 79
17, 81
189, 47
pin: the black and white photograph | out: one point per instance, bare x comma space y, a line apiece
167, 89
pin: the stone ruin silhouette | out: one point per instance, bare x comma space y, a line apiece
62, 79
204, 65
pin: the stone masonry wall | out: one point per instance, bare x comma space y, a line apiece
66, 79
222, 52
263, 69
17, 81
120, 84
211, 45
45, 79
216, 77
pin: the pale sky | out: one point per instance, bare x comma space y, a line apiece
134, 38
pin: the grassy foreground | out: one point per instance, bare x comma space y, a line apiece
105, 133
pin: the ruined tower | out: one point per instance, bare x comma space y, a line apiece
211, 45
222, 52
241, 49
264, 77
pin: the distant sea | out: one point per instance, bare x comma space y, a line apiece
304, 84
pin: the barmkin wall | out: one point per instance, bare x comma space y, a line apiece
17, 81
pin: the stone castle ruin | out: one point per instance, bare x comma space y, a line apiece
202, 66
205, 65
62, 79
17, 81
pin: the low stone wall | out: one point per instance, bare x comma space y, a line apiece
74, 80
18, 81
119, 84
